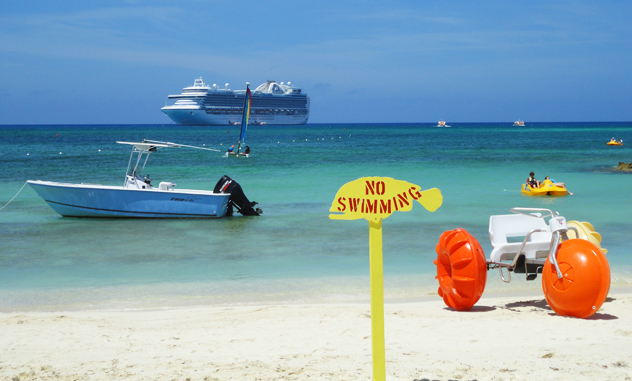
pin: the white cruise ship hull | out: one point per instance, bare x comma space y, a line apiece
196, 117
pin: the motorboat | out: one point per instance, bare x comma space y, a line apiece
442, 124
519, 123
547, 188
138, 197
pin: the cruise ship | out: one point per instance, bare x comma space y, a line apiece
272, 103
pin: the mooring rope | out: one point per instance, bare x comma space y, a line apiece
16, 195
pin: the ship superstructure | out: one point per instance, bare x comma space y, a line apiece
272, 103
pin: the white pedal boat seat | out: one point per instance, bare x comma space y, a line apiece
507, 233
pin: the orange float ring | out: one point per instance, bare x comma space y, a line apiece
585, 282
461, 269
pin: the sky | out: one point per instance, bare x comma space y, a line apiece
115, 62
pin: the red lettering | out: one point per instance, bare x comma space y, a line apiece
385, 207
417, 194
370, 187
371, 206
353, 204
403, 199
395, 203
380, 188
341, 202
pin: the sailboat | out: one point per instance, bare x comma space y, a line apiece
244, 127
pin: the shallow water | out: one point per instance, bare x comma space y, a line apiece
294, 252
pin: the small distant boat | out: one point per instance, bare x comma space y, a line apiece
519, 123
138, 198
244, 127
615, 142
442, 124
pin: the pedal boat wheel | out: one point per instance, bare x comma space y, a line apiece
461, 269
585, 282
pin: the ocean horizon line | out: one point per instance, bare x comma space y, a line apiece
315, 124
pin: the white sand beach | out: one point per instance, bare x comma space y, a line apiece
502, 338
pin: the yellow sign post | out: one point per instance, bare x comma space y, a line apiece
373, 199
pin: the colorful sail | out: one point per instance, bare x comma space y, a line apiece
244, 119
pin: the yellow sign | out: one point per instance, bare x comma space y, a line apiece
376, 198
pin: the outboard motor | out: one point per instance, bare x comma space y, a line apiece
237, 197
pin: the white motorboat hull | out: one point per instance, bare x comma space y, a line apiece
86, 200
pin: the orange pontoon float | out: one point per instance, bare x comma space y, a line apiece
575, 271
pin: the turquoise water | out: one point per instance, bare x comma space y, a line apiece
294, 252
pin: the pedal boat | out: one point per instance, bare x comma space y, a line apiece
614, 143
547, 188
575, 271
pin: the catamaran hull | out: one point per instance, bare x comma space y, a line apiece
82, 200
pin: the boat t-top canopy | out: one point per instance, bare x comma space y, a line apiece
154, 145
145, 148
